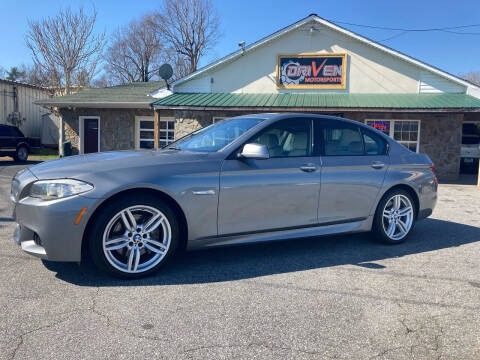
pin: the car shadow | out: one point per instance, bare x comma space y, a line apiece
244, 262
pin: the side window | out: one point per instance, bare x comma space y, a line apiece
4, 131
342, 140
16, 132
374, 145
287, 138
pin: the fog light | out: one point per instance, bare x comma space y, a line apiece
36, 239
16, 234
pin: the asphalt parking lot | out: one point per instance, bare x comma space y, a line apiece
344, 297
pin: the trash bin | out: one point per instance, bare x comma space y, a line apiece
67, 148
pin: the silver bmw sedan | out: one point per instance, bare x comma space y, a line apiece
245, 179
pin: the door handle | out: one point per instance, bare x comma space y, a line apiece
308, 167
377, 165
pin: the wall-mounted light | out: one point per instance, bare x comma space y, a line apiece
242, 46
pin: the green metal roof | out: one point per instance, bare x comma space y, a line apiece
132, 94
306, 101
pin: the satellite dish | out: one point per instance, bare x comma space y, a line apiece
165, 72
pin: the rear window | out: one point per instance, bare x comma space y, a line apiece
374, 144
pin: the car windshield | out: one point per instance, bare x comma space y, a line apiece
216, 136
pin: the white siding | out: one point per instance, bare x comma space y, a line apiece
200, 85
431, 83
32, 126
369, 69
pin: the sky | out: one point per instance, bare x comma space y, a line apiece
250, 20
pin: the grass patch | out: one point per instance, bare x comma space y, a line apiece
43, 154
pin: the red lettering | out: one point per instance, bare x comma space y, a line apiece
315, 69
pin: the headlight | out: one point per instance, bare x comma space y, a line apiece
14, 190
59, 188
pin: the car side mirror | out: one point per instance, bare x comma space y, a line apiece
254, 151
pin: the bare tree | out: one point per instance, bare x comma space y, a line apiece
472, 76
190, 27
135, 52
103, 80
65, 43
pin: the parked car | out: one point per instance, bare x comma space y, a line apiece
244, 179
470, 152
13, 143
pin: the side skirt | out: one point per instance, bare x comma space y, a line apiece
358, 225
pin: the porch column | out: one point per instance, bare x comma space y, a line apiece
61, 136
156, 120
478, 175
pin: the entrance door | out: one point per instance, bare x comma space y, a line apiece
275, 193
90, 135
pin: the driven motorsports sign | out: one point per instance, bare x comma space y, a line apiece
311, 71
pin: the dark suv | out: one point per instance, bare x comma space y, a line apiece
13, 143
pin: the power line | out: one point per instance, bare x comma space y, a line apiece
394, 36
411, 29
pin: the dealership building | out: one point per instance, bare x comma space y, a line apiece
311, 66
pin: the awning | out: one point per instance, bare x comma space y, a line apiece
319, 102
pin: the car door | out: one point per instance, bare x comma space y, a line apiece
7, 140
275, 193
354, 164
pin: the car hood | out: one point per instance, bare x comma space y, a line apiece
83, 166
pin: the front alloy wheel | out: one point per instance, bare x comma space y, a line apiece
132, 237
136, 239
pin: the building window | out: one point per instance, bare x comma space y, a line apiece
406, 132
145, 133
167, 131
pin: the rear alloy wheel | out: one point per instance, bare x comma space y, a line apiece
395, 217
135, 238
21, 154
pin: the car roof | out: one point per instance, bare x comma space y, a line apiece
279, 116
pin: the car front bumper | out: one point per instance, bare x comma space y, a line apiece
48, 229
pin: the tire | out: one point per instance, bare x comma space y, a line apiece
387, 218
114, 246
21, 154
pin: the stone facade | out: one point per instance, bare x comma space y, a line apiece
441, 140
117, 127
188, 121
440, 134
